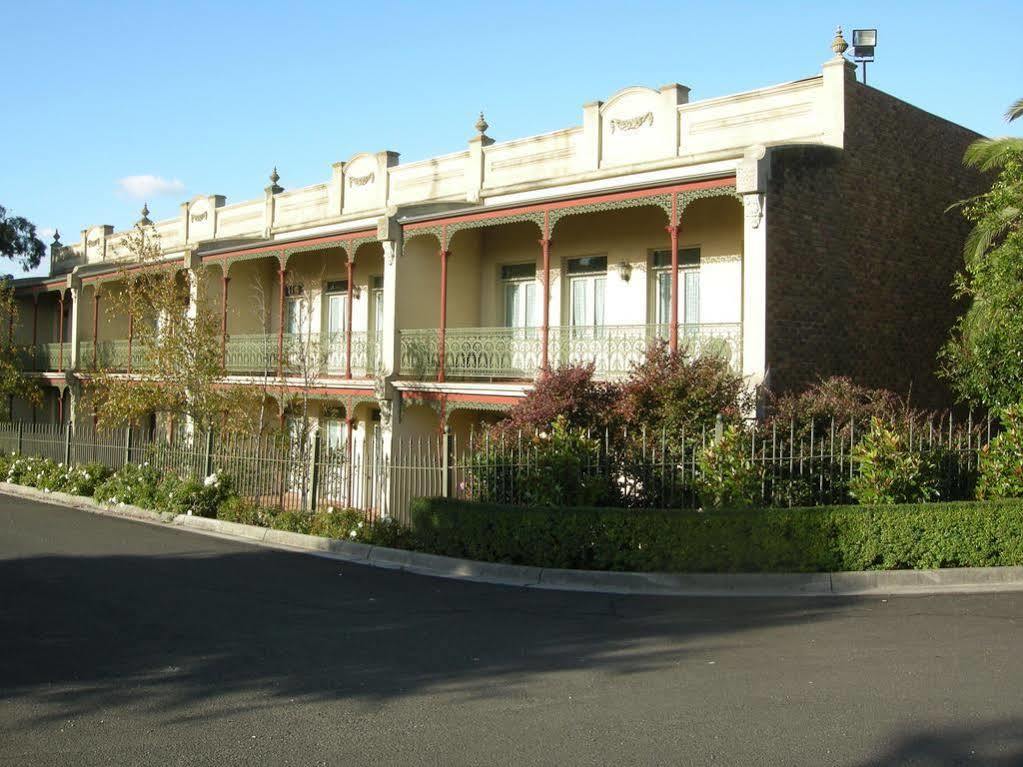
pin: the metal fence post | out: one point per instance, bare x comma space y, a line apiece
719, 428
67, 444
314, 494
19, 437
208, 458
445, 463
127, 444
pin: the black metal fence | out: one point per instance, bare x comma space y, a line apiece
282, 471
794, 464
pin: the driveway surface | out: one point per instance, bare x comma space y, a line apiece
126, 643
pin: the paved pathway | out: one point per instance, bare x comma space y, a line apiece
125, 643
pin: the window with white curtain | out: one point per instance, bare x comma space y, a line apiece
587, 278
688, 286
519, 286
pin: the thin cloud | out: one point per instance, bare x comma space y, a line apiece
146, 187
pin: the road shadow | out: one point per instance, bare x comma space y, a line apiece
89, 632
992, 744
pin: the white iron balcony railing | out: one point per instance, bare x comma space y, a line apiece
306, 355
517, 353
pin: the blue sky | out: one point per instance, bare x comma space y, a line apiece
208, 97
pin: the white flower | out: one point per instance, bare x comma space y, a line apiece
211, 480
352, 534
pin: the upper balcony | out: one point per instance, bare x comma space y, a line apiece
502, 353
604, 269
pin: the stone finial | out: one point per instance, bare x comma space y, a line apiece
481, 125
275, 188
144, 221
56, 238
839, 45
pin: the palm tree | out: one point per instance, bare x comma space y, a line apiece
988, 154
992, 153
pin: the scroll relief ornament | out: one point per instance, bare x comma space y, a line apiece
354, 181
632, 123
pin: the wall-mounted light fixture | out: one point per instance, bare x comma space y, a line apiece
625, 271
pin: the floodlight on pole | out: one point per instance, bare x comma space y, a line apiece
864, 42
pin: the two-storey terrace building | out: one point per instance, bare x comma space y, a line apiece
798, 229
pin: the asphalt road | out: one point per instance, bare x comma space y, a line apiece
126, 643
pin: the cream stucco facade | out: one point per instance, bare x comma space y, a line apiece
452, 259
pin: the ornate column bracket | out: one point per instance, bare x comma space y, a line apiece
439, 231
533, 217
662, 200
687, 198
753, 209
277, 253
751, 178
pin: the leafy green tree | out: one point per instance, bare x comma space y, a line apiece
180, 370
18, 241
14, 384
983, 358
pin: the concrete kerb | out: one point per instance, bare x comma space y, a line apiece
874, 582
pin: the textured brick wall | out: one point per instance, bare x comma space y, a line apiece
861, 253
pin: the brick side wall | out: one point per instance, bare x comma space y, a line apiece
861, 253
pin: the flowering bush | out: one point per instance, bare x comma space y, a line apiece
132, 485
889, 472
47, 474
77, 480
338, 523
31, 471
244, 511
189, 496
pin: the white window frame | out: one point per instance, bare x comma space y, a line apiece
685, 273
515, 283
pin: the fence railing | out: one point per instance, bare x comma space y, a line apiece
794, 464
517, 353
281, 471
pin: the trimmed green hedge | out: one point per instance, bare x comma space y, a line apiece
819, 539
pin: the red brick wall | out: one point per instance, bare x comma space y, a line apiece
861, 253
